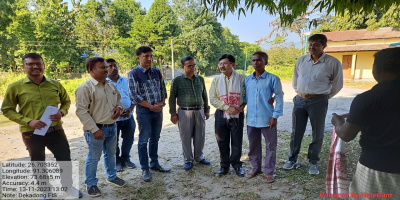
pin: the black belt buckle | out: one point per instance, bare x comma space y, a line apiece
104, 125
191, 108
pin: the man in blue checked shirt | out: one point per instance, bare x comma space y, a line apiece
147, 90
125, 123
262, 116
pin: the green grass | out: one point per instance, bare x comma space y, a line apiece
307, 185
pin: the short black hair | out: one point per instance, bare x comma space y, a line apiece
31, 55
229, 56
186, 58
319, 37
388, 60
110, 60
263, 54
143, 49
91, 62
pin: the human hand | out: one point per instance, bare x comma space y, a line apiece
116, 113
338, 120
240, 109
156, 108
162, 104
126, 113
174, 119
99, 135
232, 111
271, 101
207, 115
56, 117
272, 122
37, 124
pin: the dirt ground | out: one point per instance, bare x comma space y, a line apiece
201, 182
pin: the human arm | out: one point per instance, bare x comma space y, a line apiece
205, 100
345, 130
295, 74
214, 96
277, 89
337, 78
119, 107
83, 102
9, 106
173, 94
127, 112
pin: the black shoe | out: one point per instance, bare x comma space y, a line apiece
146, 175
188, 166
93, 191
117, 182
239, 171
159, 168
204, 162
223, 171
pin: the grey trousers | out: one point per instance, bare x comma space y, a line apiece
192, 125
255, 153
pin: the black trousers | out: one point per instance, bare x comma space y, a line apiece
229, 135
57, 143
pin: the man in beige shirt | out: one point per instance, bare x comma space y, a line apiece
226, 94
98, 106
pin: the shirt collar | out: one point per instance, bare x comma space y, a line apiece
144, 69
184, 76
263, 75
320, 59
28, 80
110, 80
95, 82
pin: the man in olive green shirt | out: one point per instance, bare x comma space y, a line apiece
189, 92
32, 95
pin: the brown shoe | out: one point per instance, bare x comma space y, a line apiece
269, 179
252, 174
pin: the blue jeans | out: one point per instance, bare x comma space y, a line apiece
150, 124
108, 145
315, 109
127, 130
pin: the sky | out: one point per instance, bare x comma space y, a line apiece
249, 28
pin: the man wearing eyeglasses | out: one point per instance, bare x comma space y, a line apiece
32, 95
189, 92
227, 94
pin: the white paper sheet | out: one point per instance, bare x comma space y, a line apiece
50, 110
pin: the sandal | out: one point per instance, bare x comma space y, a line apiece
269, 179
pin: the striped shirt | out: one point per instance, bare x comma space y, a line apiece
146, 85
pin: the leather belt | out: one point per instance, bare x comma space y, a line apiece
309, 96
51, 129
190, 108
105, 125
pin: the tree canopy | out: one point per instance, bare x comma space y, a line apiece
289, 10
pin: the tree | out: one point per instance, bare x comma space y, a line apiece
289, 10
7, 39
201, 35
363, 20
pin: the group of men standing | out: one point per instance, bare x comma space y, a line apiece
106, 100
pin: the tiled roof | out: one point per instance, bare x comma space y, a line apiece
382, 33
374, 47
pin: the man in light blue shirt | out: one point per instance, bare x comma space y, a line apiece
262, 116
125, 123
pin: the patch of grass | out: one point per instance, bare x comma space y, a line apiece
360, 84
152, 190
311, 185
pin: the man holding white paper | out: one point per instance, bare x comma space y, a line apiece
32, 95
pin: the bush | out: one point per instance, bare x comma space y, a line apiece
6, 78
